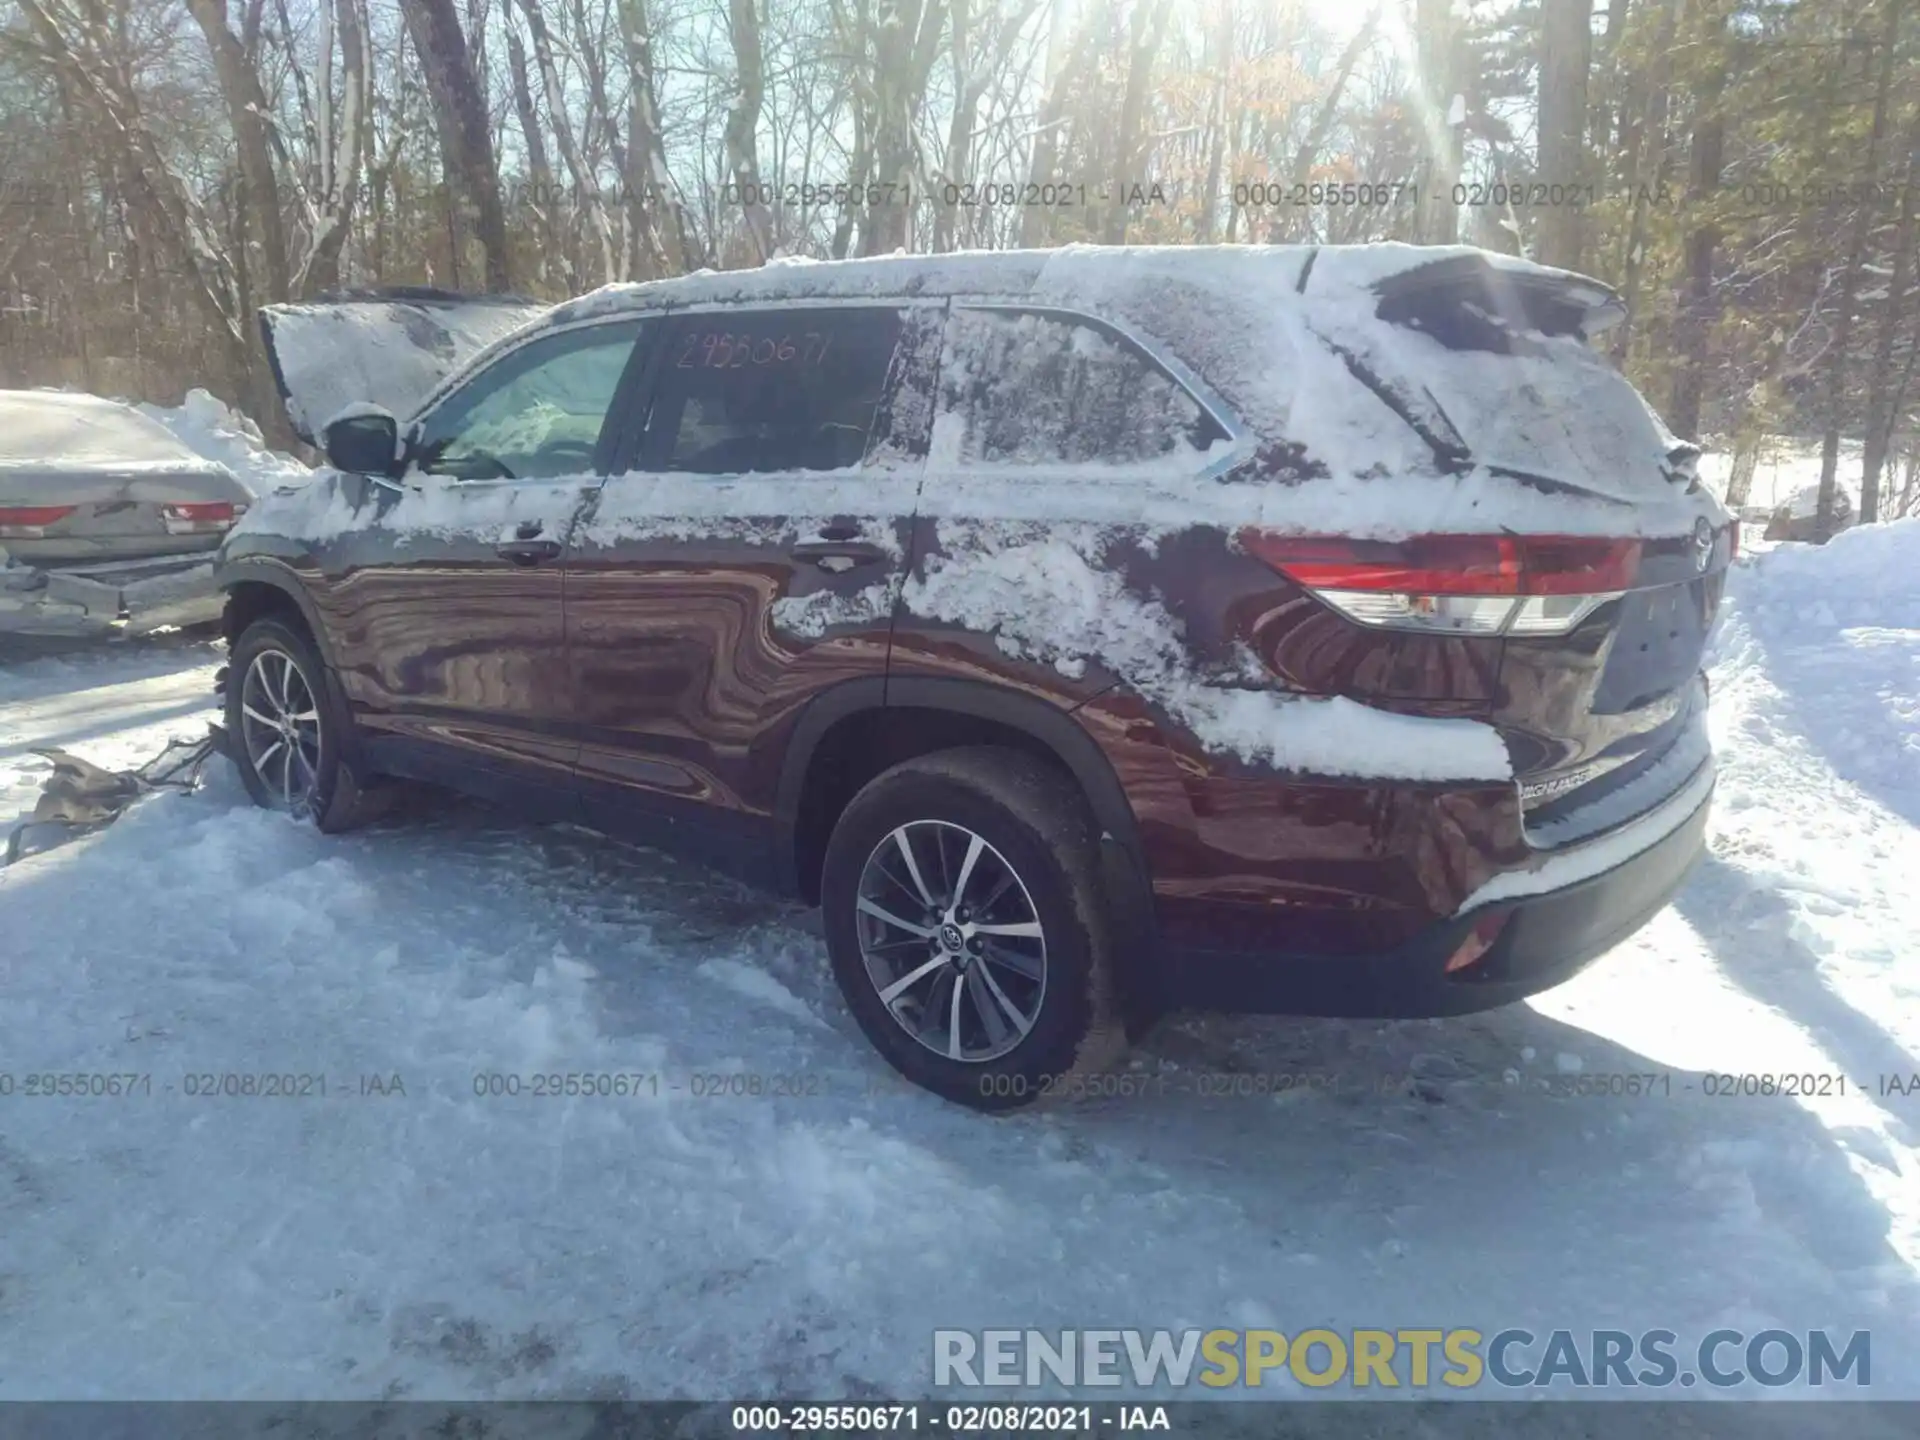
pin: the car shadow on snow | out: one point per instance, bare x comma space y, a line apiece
1498, 1169
1516, 1163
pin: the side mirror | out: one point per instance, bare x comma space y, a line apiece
365, 441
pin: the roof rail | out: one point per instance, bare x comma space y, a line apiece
416, 294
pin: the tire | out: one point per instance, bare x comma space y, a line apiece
309, 780
1031, 824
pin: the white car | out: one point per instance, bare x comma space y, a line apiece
108, 522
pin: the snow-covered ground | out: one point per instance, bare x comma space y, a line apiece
677, 1243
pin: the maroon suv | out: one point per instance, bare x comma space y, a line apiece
1091, 632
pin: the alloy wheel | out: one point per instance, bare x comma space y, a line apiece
952, 940
280, 726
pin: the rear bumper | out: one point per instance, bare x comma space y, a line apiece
1549, 935
126, 597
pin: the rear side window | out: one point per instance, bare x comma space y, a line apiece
757, 390
1032, 389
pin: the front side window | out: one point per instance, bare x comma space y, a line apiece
1033, 389
758, 390
534, 414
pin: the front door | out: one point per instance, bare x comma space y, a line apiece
446, 588
748, 559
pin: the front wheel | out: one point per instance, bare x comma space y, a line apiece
968, 928
285, 733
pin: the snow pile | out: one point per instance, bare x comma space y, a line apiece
1053, 598
1827, 639
1866, 575
208, 426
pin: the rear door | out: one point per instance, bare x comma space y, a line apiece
444, 591
748, 557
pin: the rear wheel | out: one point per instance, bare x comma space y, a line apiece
285, 733
968, 929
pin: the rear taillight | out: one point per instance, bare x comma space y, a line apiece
191, 519
1733, 541
29, 522
1471, 584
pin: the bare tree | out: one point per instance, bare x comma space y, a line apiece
903, 42
80, 45
1440, 119
341, 152
1323, 121
666, 240
586, 188
1706, 162
466, 137
1147, 31
743, 125
247, 112
1566, 44
541, 200
978, 61
1885, 392
1075, 61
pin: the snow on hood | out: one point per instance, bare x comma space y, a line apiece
391, 349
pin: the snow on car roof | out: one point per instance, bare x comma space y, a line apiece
1242, 318
1016, 272
48, 432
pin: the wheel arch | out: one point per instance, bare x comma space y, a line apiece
254, 588
997, 713
259, 589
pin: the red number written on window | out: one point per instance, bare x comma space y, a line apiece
717, 350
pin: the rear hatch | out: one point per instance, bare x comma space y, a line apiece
1601, 616
390, 347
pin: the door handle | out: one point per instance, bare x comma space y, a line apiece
838, 555
528, 552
